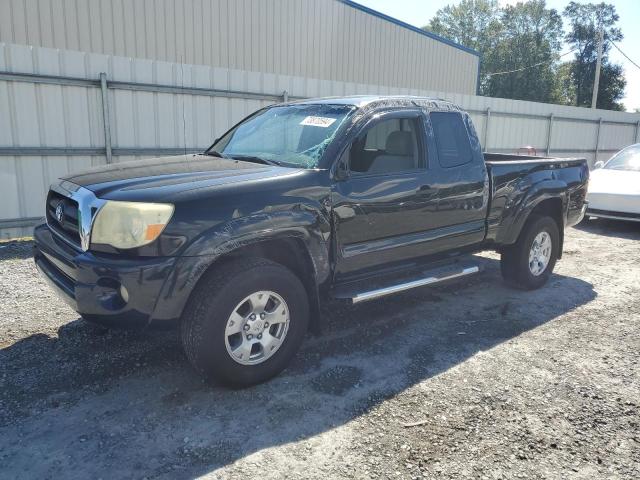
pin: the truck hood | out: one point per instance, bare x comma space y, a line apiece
164, 177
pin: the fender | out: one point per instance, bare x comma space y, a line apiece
308, 226
524, 201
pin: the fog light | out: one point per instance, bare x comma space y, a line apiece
124, 294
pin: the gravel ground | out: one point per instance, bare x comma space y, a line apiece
474, 380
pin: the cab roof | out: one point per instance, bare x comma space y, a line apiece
373, 101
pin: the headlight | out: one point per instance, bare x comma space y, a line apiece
130, 224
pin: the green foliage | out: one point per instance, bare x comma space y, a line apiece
585, 21
473, 23
531, 35
564, 88
528, 33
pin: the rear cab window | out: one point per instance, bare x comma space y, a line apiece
452, 139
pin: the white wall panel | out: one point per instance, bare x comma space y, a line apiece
9, 185
569, 134
610, 138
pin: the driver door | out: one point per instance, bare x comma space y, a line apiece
382, 206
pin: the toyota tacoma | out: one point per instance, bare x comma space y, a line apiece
301, 203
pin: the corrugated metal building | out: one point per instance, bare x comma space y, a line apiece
322, 39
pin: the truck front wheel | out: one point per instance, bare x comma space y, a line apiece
245, 321
529, 262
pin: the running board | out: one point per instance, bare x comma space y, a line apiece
430, 277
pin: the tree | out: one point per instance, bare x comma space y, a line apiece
564, 89
508, 39
585, 21
532, 35
528, 34
472, 23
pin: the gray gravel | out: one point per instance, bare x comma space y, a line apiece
474, 380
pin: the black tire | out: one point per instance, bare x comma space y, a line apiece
514, 262
202, 327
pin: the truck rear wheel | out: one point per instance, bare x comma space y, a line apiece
244, 322
529, 262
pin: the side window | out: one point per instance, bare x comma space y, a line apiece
388, 146
452, 139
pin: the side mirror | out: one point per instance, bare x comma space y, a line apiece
598, 164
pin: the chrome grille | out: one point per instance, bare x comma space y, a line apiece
77, 208
68, 226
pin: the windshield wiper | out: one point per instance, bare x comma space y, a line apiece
248, 158
213, 153
252, 158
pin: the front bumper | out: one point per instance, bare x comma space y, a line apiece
624, 203
106, 289
615, 206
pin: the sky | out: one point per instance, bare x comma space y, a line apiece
419, 12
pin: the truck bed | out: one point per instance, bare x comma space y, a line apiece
514, 178
501, 158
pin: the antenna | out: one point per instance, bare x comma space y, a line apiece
184, 120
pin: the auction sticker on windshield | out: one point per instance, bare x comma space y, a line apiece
323, 122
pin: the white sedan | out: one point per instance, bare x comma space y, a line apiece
614, 187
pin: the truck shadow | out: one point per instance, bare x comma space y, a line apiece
129, 402
16, 250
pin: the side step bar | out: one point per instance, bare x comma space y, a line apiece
420, 282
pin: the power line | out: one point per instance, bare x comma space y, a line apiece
531, 66
560, 56
624, 54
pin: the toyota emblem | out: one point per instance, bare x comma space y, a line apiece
60, 212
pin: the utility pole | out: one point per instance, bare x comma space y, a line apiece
596, 80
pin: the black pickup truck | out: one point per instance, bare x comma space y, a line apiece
300, 203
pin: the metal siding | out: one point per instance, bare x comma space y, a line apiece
10, 205
322, 39
611, 138
574, 133
45, 115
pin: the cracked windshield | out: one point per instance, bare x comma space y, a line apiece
292, 135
